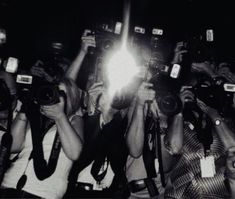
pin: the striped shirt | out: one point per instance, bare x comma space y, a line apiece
186, 176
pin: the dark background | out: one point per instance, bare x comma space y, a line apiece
32, 24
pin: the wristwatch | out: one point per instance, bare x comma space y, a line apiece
217, 122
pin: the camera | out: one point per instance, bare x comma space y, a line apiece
5, 96
167, 93
46, 94
107, 36
217, 94
10, 65
169, 103
37, 90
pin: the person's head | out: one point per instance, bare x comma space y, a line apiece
73, 95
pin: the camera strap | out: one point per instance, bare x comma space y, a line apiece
202, 128
42, 169
205, 135
159, 149
149, 153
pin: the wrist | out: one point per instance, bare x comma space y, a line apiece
217, 121
139, 102
83, 50
60, 117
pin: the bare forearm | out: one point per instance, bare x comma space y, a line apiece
175, 134
227, 137
70, 140
232, 187
135, 135
74, 69
18, 131
167, 158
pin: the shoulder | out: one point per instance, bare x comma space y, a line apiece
76, 119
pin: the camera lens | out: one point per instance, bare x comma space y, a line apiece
170, 104
107, 44
47, 95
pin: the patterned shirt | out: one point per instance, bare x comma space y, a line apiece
186, 176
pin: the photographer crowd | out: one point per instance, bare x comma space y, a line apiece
168, 133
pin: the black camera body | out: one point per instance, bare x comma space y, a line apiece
107, 36
214, 95
46, 94
38, 91
167, 94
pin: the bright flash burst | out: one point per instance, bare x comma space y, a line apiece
121, 69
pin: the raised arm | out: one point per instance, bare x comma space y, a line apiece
135, 133
174, 138
70, 133
18, 131
226, 135
175, 134
75, 67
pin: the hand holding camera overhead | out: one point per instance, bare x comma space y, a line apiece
179, 53
88, 40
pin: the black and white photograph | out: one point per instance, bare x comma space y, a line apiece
117, 99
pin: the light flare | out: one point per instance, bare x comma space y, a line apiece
121, 69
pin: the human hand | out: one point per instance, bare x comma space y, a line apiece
87, 40
145, 93
55, 111
186, 95
39, 71
225, 72
211, 112
179, 53
230, 163
94, 92
203, 67
96, 89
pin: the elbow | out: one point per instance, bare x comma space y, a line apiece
135, 150
16, 147
135, 153
74, 156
